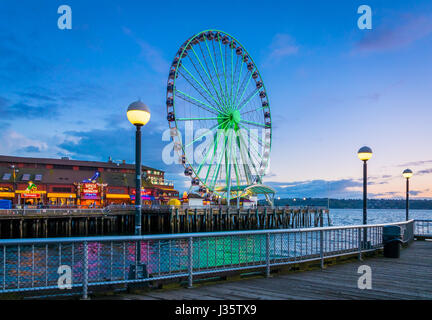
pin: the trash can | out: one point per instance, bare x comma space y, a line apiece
392, 239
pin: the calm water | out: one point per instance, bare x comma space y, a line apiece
355, 216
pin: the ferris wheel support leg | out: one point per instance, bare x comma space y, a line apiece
269, 200
238, 201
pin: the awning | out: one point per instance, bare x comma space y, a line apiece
7, 194
251, 189
27, 192
117, 196
61, 195
166, 189
260, 189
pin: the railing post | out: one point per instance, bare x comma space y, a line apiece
85, 271
359, 244
190, 262
267, 255
322, 248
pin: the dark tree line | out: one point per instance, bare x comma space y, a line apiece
354, 203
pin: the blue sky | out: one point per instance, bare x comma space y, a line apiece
332, 87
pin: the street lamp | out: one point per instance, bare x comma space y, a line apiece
14, 172
407, 175
364, 154
138, 114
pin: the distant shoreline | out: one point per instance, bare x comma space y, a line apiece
355, 203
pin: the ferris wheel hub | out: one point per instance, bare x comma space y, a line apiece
229, 120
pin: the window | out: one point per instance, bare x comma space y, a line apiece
6, 176
38, 177
62, 189
25, 177
62, 166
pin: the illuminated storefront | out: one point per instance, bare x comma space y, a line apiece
56, 183
7, 193
31, 195
91, 194
146, 196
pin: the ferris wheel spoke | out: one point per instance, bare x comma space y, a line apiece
250, 159
197, 89
233, 83
208, 76
232, 77
211, 129
254, 123
228, 164
247, 100
235, 163
215, 65
204, 82
216, 173
215, 69
238, 84
211, 96
218, 136
257, 109
252, 134
223, 66
244, 89
195, 101
257, 152
244, 162
204, 159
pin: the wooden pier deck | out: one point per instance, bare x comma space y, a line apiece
408, 277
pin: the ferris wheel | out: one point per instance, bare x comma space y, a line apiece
219, 114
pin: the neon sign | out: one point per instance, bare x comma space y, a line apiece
90, 191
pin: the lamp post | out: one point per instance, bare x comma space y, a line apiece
14, 172
138, 114
407, 175
364, 154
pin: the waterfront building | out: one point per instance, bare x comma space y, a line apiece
64, 182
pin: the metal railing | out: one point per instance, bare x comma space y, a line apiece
42, 212
33, 264
423, 228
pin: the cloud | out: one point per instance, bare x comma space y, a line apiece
3, 102
409, 29
4, 125
423, 172
282, 45
14, 62
151, 54
119, 143
35, 96
318, 188
372, 97
16, 143
30, 149
415, 163
27, 111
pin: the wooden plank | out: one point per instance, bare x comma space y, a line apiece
408, 277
